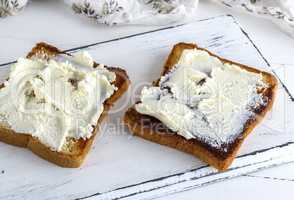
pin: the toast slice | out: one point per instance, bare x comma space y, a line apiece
74, 151
154, 130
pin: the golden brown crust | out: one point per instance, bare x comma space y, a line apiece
152, 129
81, 147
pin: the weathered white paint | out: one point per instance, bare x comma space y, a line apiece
117, 159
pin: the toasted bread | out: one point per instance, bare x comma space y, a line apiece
74, 151
152, 129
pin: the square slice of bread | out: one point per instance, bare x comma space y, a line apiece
154, 130
74, 151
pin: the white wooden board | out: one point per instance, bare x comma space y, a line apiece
123, 166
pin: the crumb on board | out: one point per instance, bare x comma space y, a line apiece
2, 171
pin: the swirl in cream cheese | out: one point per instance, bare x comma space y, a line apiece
203, 98
55, 99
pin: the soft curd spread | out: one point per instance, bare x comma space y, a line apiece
55, 99
203, 98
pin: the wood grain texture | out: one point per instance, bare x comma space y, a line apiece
123, 166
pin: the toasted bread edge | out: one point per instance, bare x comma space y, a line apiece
189, 146
81, 147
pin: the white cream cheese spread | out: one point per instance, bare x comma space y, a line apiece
203, 98
55, 99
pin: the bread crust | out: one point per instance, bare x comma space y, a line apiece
80, 147
152, 129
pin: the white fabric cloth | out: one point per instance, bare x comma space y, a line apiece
11, 7
160, 12
150, 12
279, 11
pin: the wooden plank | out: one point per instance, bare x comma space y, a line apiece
120, 165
